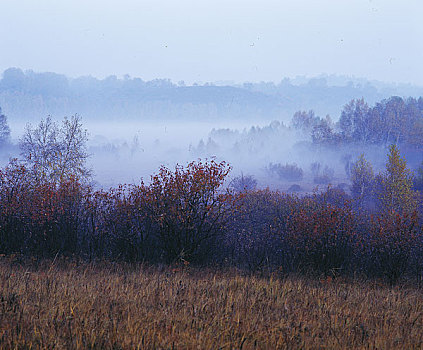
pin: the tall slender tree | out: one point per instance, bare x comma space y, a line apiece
395, 185
362, 180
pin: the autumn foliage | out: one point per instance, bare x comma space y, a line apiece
322, 237
189, 216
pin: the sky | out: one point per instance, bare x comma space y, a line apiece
215, 40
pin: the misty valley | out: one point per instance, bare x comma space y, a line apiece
211, 174
176, 223
135, 126
197, 175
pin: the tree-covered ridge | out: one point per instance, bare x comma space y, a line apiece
27, 93
24, 94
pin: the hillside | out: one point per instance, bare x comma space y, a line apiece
27, 95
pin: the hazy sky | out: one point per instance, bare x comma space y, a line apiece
212, 40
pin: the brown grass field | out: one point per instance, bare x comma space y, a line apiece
113, 306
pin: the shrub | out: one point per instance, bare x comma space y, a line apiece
56, 214
294, 188
322, 237
243, 183
254, 235
189, 209
333, 196
288, 172
393, 240
127, 224
325, 177
13, 187
43, 219
187, 215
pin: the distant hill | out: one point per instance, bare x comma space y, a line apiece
27, 95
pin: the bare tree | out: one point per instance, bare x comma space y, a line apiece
55, 154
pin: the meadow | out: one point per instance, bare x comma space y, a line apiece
67, 305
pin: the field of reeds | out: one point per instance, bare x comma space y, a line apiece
66, 305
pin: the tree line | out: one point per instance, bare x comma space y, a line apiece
391, 121
36, 94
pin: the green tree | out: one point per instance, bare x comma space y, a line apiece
395, 185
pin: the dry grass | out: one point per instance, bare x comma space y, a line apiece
107, 306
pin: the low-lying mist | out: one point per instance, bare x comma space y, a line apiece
128, 152
136, 126
295, 155
131, 152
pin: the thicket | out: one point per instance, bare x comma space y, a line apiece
188, 216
